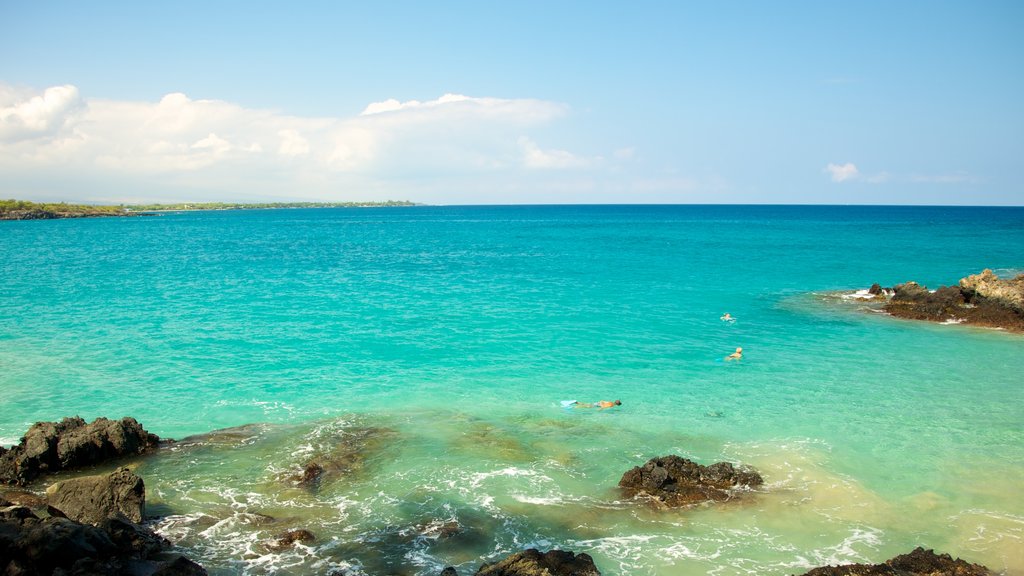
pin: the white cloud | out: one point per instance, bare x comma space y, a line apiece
842, 172
177, 142
38, 115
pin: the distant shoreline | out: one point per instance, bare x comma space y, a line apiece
24, 210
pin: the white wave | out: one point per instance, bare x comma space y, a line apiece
552, 501
7, 442
844, 552
953, 320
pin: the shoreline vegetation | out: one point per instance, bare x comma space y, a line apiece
25, 210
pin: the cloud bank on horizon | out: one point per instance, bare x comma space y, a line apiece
177, 146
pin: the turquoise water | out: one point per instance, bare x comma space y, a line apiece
439, 341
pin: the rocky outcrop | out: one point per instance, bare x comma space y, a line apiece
533, 562
982, 299
93, 499
675, 481
30, 545
920, 562
48, 447
989, 288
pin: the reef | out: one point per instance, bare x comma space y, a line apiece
981, 299
920, 562
674, 481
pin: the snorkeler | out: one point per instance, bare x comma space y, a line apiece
600, 405
737, 355
727, 318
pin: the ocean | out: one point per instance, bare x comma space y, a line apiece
430, 349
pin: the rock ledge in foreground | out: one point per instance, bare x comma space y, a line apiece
49, 447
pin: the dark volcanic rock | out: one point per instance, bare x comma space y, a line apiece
532, 562
676, 481
287, 539
982, 299
449, 571
920, 562
93, 499
71, 443
54, 545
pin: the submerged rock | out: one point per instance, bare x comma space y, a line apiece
981, 299
288, 539
30, 545
345, 454
533, 562
48, 447
676, 481
920, 562
93, 499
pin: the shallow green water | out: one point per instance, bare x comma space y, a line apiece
439, 341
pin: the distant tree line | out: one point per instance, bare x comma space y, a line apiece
263, 205
23, 209
58, 208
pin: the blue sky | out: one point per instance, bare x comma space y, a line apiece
519, 102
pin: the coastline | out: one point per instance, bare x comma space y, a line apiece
23, 210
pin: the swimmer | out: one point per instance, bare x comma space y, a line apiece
727, 318
737, 355
600, 405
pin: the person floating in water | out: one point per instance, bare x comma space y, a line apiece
600, 404
737, 355
727, 318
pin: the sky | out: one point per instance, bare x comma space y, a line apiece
525, 102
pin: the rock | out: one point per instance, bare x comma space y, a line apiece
532, 562
48, 447
676, 481
876, 289
449, 571
920, 562
287, 539
93, 499
29, 545
982, 299
989, 287
22, 498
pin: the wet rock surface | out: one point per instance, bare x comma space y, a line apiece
287, 539
533, 562
344, 453
30, 545
93, 499
920, 562
981, 299
675, 481
49, 447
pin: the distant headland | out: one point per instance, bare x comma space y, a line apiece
25, 210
